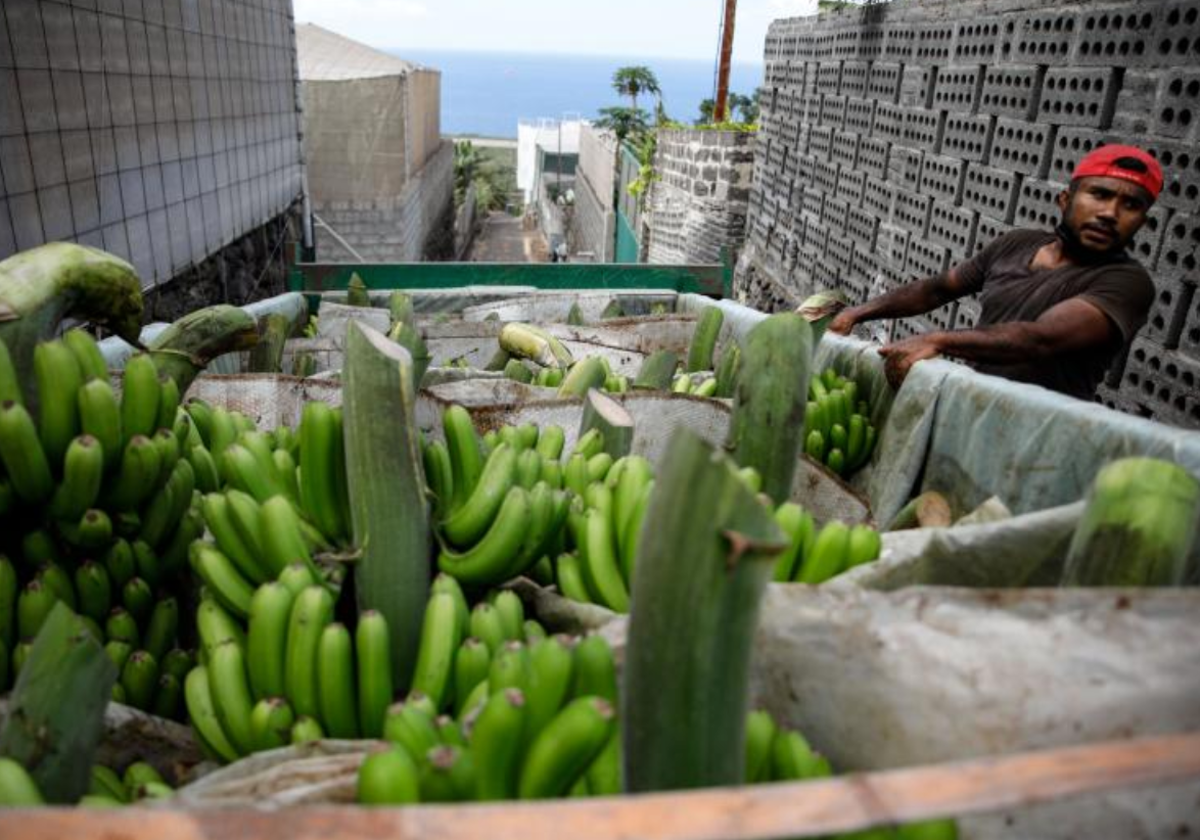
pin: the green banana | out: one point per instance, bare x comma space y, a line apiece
106, 782
445, 583
570, 580
17, 787
168, 402
471, 665
58, 380
828, 555
486, 626
511, 611
266, 639
8, 602
335, 682
306, 729
760, 733
139, 397
797, 524
411, 726
271, 722
201, 414
297, 577
136, 477
146, 561
34, 604
529, 469
466, 460
509, 667
562, 752
497, 746
439, 479
83, 472
551, 666
137, 599
285, 466
863, 547
120, 626
836, 461
282, 537
595, 670
590, 443
600, 563
215, 626
704, 339
139, 677
575, 474
38, 547
244, 511
100, 417
487, 561
231, 694
792, 759
218, 516
388, 777
232, 590
59, 581
177, 662
202, 713
476, 513
10, 385
312, 610
24, 460
162, 628
550, 442
439, 642
174, 553
374, 672
320, 442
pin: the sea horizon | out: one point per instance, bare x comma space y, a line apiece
486, 93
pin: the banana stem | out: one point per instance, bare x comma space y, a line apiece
186, 347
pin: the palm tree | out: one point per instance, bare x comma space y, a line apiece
631, 81
707, 106
622, 121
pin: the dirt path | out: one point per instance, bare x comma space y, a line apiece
504, 239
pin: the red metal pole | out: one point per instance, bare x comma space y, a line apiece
723, 67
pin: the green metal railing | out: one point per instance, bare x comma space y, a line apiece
711, 280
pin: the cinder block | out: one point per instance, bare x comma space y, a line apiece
1011, 91
904, 167
839, 250
806, 169
811, 200
892, 245
1163, 381
1133, 113
1036, 206
943, 318
889, 122
924, 258
1070, 145
923, 129
846, 41
1177, 40
1189, 337
1040, 37
933, 43
1021, 146
1177, 110
871, 37
845, 149
1116, 36
991, 191
879, 197
912, 212
873, 155
850, 186
1180, 254
827, 176
1181, 172
864, 265
820, 142
860, 115
884, 82
953, 227
855, 75
969, 138
829, 77
942, 178
833, 111
903, 328
833, 214
863, 227
966, 315
958, 88
899, 43
916, 85
987, 231
978, 40
1166, 322
1148, 243
1078, 97
815, 234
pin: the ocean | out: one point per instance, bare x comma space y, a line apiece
487, 93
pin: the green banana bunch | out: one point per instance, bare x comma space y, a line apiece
837, 427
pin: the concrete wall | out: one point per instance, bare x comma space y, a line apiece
901, 138
413, 226
424, 116
698, 204
593, 225
159, 131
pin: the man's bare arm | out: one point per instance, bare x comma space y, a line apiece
1072, 325
912, 299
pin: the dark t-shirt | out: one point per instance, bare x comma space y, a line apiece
1010, 291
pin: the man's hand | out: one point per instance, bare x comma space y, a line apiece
843, 322
900, 356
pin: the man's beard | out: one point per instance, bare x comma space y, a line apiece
1080, 253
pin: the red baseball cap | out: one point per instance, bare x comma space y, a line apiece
1103, 162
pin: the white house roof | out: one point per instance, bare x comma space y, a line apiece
326, 56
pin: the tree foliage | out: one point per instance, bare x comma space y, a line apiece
623, 122
633, 81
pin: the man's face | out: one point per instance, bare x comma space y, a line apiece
1104, 213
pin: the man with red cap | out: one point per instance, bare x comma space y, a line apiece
1056, 306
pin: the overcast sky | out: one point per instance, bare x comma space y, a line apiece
649, 28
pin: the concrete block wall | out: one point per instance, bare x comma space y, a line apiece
697, 205
160, 131
898, 139
592, 226
415, 225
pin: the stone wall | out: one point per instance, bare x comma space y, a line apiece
901, 138
698, 205
416, 225
159, 131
